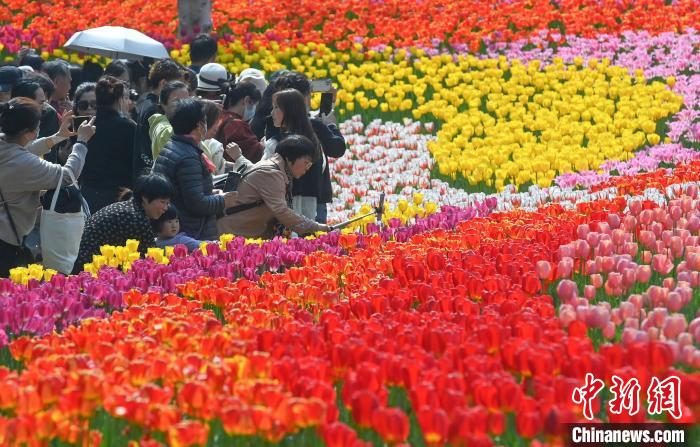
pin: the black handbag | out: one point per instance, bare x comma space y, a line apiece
70, 200
24, 253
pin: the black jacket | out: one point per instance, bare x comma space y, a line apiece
108, 162
143, 154
181, 162
317, 181
114, 225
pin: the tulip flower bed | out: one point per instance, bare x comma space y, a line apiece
462, 24
453, 322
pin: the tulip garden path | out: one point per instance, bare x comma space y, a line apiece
541, 162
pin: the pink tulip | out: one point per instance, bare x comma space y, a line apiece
618, 237
613, 221
605, 248
628, 277
631, 248
598, 317
603, 227
676, 213
627, 310
669, 283
629, 223
653, 333
635, 207
567, 314
582, 231
675, 302
592, 238
693, 223
597, 280
674, 325
583, 250
646, 257
589, 291
661, 264
647, 239
636, 300
609, 330
565, 267
544, 269
685, 339
567, 290
676, 247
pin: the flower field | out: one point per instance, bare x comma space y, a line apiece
541, 162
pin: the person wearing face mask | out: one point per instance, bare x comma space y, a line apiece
183, 162
239, 108
108, 167
23, 175
160, 129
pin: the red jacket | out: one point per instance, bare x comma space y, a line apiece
234, 129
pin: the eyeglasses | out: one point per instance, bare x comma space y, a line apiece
84, 104
308, 164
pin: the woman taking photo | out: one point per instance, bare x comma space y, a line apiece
185, 165
129, 219
23, 175
239, 108
265, 194
108, 168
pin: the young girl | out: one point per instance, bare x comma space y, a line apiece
168, 230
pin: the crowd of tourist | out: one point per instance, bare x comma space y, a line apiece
144, 141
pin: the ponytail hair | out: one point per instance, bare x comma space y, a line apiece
238, 91
19, 115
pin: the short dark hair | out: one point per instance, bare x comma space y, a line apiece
166, 69
83, 88
55, 68
116, 68
202, 48
293, 79
239, 91
26, 88
76, 77
169, 88
152, 187
170, 213
91, 72
188, 113
108, 91
294, 147
44, 81
19, 115
136, 71
31, 59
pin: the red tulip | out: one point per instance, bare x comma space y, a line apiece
392, 424
434, 424
337, 434
364, 402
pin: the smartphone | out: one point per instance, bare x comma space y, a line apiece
321, 85
326, 103
78, 120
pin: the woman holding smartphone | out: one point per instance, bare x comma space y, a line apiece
108, 167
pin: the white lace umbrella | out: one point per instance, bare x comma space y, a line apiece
116, 42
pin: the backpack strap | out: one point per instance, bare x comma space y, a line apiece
257, 203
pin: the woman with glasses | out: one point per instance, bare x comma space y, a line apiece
263, 208
85, 101
109, 161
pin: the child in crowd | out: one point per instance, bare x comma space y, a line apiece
168, 230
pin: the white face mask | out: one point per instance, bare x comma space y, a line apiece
249, 112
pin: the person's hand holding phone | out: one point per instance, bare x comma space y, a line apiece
86, 130
328, 118
66, 129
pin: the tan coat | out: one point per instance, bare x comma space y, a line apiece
267, 183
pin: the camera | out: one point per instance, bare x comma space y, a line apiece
133, 95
